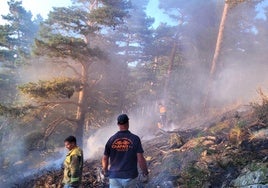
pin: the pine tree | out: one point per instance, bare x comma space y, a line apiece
134, 42
16, 37
72, 38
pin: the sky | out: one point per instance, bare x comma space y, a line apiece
43, 7
36, 6
261, 11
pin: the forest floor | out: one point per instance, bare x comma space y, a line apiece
229, 149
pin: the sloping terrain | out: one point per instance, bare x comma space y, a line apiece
229, 150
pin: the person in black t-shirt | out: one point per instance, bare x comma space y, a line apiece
123, 151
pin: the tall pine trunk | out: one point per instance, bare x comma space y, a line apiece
82, 106
219, 39
170, 67
172, 56
216, 55
83, 94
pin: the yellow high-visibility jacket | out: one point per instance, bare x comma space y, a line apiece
73, 166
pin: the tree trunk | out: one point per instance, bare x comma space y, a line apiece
173, 55
219, 39
123, 81
82, 97
170, 67
82, 107
216, 54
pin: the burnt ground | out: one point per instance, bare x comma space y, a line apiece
211, 156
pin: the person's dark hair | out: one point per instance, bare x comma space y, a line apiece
70, 139
122, 119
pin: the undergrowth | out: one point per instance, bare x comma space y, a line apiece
261, 109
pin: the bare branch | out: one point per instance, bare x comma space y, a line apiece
73, 69
59, 102
52, 126
73, 120
95, 82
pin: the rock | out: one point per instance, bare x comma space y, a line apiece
255, 186
257, 178
259, 134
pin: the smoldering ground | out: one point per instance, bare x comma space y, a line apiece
19, 163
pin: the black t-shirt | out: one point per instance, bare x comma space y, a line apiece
122, 148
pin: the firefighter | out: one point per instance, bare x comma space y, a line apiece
163, 115
73, 164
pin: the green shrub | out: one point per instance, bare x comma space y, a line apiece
193, 177
261, 109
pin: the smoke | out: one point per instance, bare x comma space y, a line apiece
143, 125
96, 142
19, 157
17, 162
242, 67
238, 83
33, 72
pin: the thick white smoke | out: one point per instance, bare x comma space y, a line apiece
141, 126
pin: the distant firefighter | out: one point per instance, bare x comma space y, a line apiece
163, 116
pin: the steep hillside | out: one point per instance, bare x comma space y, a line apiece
229, 150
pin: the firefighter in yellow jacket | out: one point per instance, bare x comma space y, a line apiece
73, 164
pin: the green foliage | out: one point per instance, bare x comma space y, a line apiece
58, 88
193, 176
163, 39
135, 36
17, 36
71, 35
240, 159
15, 112
66, 47
72, 19
7, 84
111, 13
241, 124
254, 166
